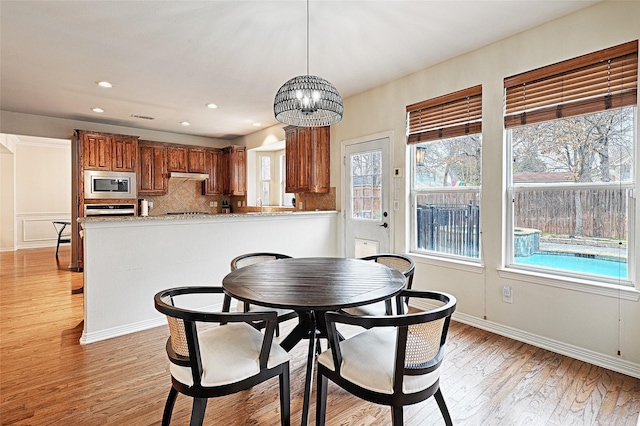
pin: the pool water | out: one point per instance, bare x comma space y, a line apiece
597, 266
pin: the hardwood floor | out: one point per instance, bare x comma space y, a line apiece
48, 378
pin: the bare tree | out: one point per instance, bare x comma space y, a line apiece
592, 148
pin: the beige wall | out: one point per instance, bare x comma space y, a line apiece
41, 191
7, 202
563, 316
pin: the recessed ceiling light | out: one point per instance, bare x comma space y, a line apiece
211, 105
97, 110
104, 84
256, 124
185, 123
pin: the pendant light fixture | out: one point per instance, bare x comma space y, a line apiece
307, 100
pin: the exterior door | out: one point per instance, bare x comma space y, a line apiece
367, 214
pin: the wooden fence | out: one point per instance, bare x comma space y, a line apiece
603, 211
450, 228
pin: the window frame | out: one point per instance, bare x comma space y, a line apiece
588, 84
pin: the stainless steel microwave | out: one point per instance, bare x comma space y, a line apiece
99, 184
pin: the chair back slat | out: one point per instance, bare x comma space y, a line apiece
397, 263
253, 258
423, 343
177, 331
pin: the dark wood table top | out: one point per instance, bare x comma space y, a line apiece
314, 283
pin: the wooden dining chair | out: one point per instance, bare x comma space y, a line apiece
210, 361
399, 262
250, 259
396, 361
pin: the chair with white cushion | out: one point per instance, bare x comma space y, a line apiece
250, 259
395, 361
210, 360
398, 262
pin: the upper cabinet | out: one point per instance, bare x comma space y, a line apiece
235, 170
124, 152
215, 167
177, 159
186, 159
152, 174
307, 159
102, 151
197, 160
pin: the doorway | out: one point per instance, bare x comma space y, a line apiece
367, 225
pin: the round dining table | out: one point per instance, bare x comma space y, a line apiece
312, 286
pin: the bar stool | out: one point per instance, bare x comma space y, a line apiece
59, 227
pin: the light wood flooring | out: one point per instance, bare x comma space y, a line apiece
48, 378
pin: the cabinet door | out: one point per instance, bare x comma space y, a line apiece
152, 177
235, 179
304, 173
96, 151
291, 159
215, 167
241, 170
124, 152
177, 159
320, 161
197, 160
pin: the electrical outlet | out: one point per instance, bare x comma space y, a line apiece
215, 204
211, 204
507, 294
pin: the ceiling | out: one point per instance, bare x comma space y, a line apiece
167, 59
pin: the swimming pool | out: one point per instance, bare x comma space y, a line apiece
597, 266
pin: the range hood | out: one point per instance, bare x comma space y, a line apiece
189, 176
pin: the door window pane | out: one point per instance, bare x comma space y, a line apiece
366, 185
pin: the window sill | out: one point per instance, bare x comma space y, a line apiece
584, 286
460, 265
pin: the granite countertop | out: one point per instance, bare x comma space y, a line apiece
181, 217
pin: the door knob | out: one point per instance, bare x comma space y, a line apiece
384, 225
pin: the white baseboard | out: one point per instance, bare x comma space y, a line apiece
97, 336
586, 355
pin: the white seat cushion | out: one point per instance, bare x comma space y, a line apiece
229, 354
368, 361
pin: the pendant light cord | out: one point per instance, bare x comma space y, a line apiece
307, 37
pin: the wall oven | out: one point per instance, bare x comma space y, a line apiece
109, 210
99, 184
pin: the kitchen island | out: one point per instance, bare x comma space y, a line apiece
129, 259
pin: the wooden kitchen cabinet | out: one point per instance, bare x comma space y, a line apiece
186, 159
197, 163
124, 153
215, 167
235, 170
102, 151
152, 173
177, 159
96, 151
307, 159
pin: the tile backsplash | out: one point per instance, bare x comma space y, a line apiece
184, 196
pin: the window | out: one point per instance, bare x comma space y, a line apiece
571, 133
366, 185
446, 139
287, 197
265, 180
